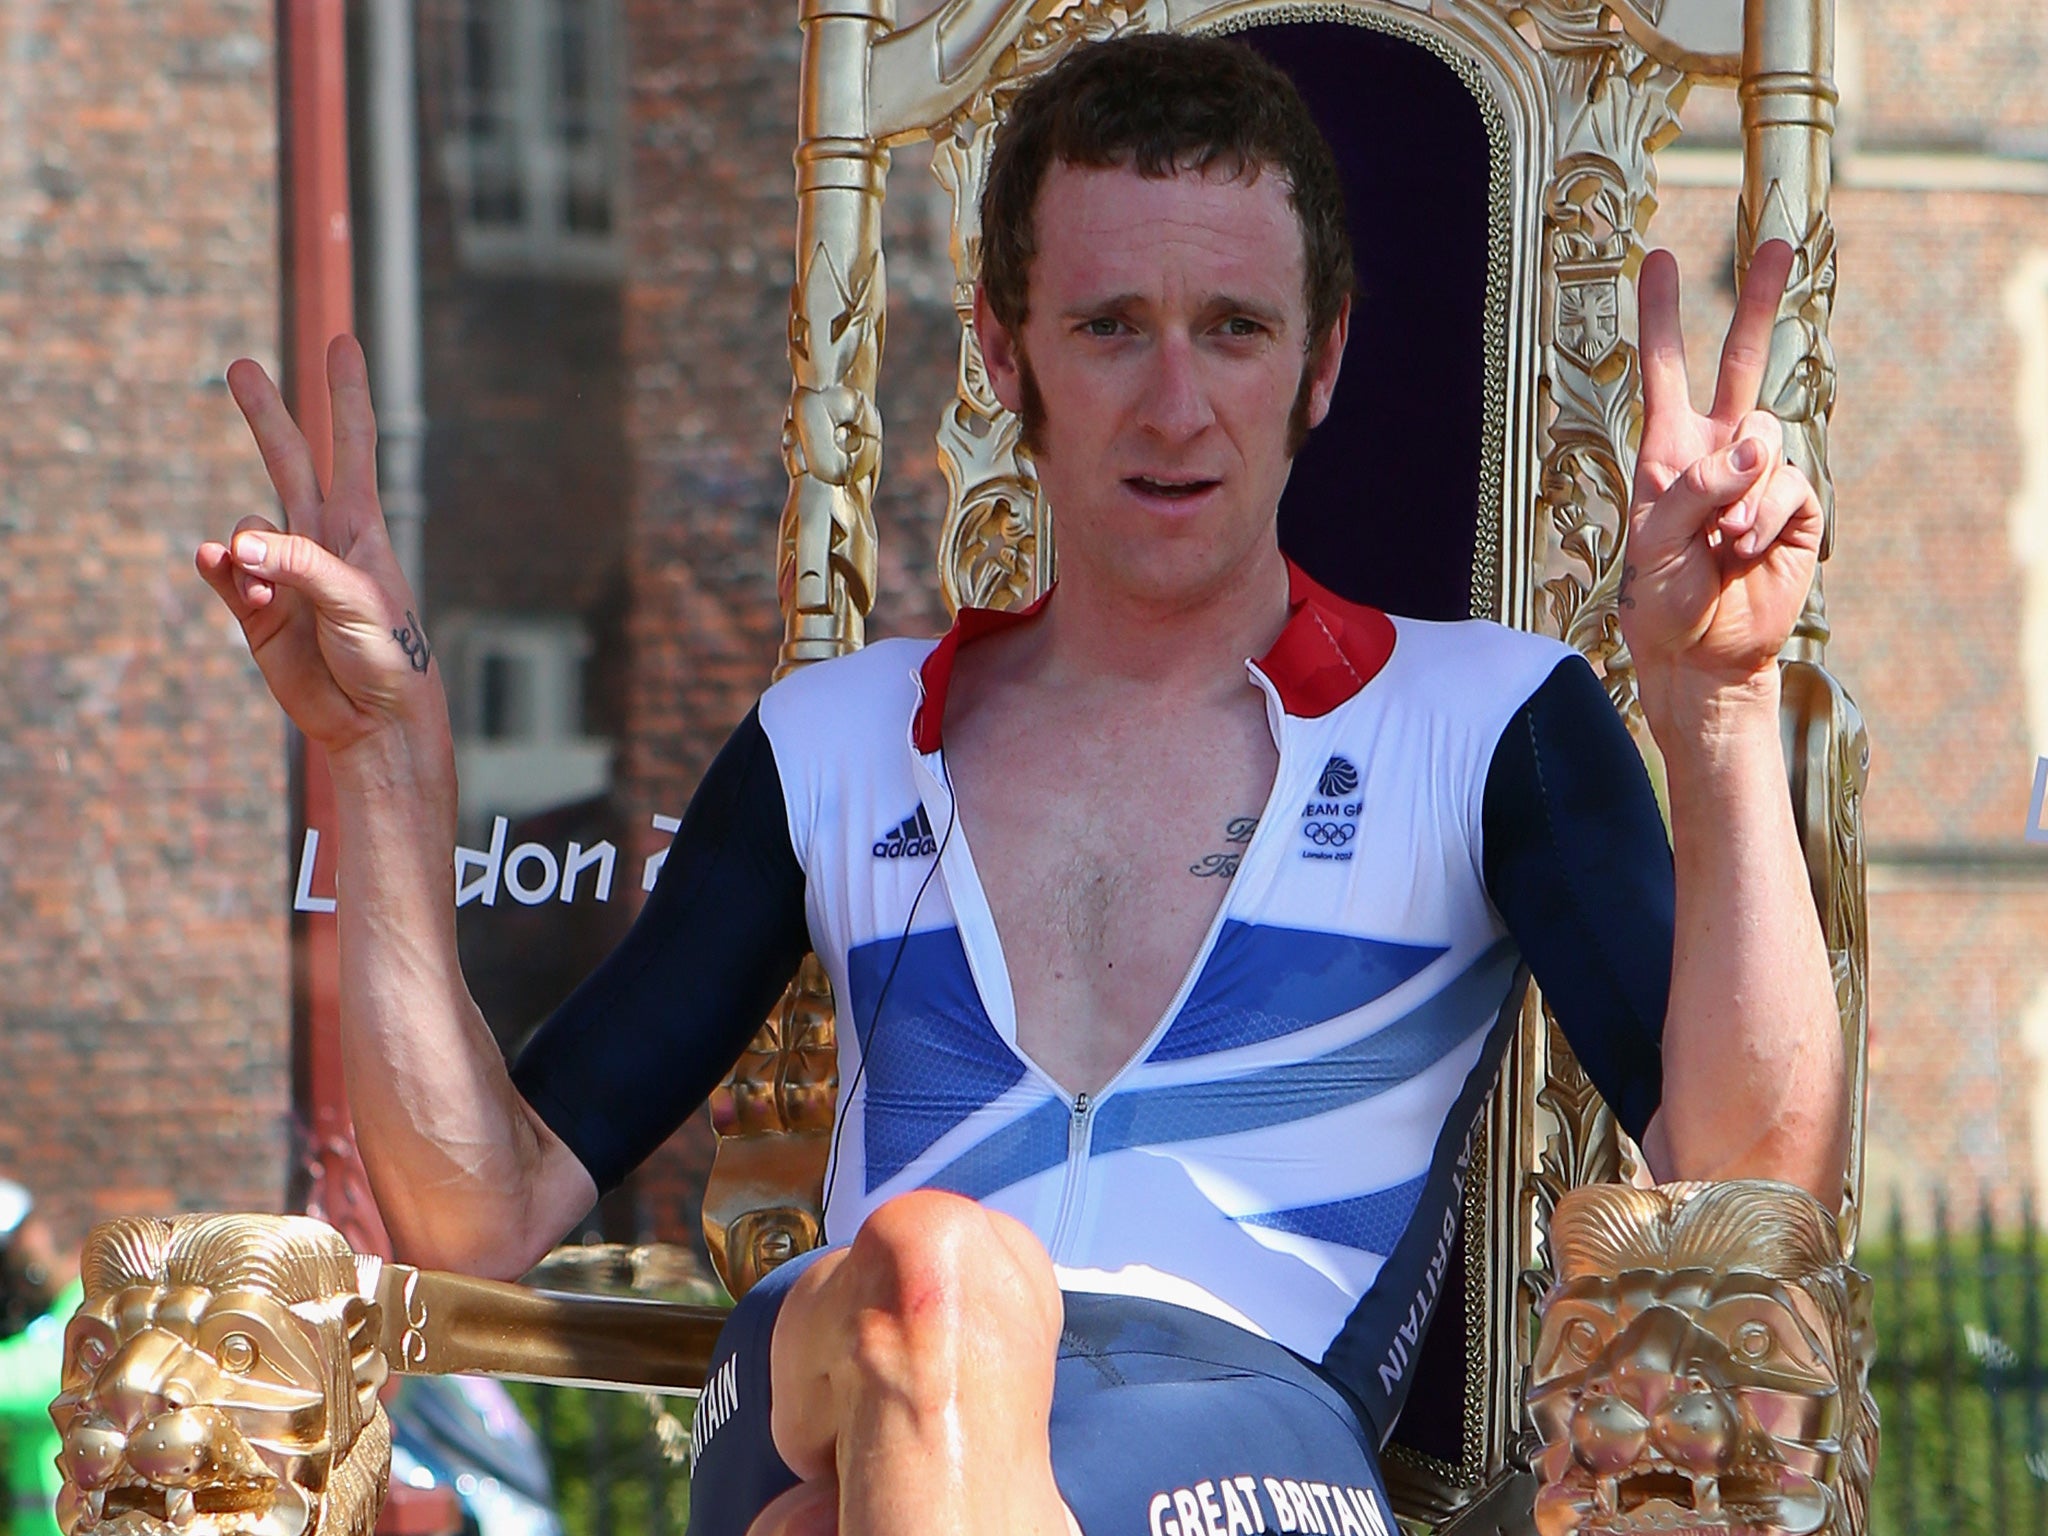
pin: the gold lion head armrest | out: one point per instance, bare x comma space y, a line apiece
1703, 1365
221, 1374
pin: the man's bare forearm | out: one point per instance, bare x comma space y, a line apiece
466, 1176
1755, 1084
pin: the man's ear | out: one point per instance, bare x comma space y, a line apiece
999, 354
1323, 368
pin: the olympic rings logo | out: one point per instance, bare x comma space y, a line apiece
1329, 834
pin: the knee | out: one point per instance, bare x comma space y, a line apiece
932, 1268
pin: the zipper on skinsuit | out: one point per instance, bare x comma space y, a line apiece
1079, 1125
1081, 1119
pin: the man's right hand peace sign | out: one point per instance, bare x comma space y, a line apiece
325, 608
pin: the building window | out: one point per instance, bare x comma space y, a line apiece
532, 153
516, 696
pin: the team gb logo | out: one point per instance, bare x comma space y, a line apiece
1329, 823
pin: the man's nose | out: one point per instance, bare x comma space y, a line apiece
1176, 404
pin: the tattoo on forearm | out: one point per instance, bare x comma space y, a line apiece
1623, 596
1237, 832
413, 641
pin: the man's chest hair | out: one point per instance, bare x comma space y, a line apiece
1087, 837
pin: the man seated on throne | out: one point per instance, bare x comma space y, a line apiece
1176, 924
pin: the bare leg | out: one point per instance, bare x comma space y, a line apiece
913, 1373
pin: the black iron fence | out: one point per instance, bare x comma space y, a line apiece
1960, 1376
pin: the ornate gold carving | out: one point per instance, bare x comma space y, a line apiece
832, 444
835, 326
764, 1203
1615, 106
1788, 118
1828, 758
784, 1081
1583, 1144
1799, 384
832, 436
409, 1312
1704, 1365
1589, 320
922, 73
221, 1377
995, 550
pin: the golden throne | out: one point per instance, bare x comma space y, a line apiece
1533, 125
1541, 121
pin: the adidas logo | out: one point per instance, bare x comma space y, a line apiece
911, 839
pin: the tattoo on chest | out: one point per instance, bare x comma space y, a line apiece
413, 641
1223, 864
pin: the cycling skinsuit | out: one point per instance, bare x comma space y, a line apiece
1454, 804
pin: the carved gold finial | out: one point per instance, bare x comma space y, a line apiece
1704, 1365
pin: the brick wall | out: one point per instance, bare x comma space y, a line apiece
144, 989
1948, 75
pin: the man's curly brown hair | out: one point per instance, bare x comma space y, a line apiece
1163, 104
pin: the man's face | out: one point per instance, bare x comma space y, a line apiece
1166, 346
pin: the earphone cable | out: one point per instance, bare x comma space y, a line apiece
875, 1014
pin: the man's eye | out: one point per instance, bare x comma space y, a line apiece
1242, 325
1103, 325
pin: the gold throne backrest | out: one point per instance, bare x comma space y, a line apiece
1568, 103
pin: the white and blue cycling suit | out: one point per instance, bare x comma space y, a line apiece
1279, 1166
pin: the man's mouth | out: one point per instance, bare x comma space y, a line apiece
1170, 488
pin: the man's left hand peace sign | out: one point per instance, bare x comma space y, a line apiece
1723, 533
